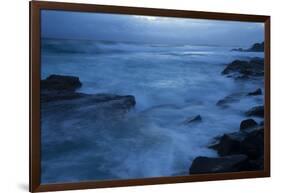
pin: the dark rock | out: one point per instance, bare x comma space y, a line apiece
256, 92
229, 99
62, 88
247, 124
215, 142
257, 47
234, 163
249, 143
57, 96
106, 100
195, 119
234, 66
229, 144
225, 101
114, 101
253, 144
105, 109
254, 67
262, 123
257, 164
60, 83
256, 111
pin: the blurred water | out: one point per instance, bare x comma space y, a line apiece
170, 83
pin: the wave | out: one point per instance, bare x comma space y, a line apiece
59, 46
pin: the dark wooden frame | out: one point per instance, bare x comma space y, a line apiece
36, 6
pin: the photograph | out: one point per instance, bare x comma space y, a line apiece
126, 96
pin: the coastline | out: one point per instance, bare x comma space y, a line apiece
66, 96
242, 150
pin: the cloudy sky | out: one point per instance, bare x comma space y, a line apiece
117, 27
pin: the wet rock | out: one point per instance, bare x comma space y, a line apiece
257, 164
229, 99
253, 144
225, 101
58, 96
114, 101
106, 101
249, 143
194, 119
256, 92
247, 124
215, 142
254, 67
233, 163
257, 47
60, 83
256, 111
96, 108
62, 88
229, 144
234, 66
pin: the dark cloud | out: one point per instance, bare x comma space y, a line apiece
116, 27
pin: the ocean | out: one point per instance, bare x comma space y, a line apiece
171, 83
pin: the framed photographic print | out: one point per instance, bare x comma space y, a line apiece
123, 96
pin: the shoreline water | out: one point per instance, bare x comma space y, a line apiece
161, 129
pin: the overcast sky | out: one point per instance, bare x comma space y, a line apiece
117, 27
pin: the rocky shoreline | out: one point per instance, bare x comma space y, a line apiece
257, 47
242, 150
63, 88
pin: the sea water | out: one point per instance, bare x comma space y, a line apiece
171, 84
